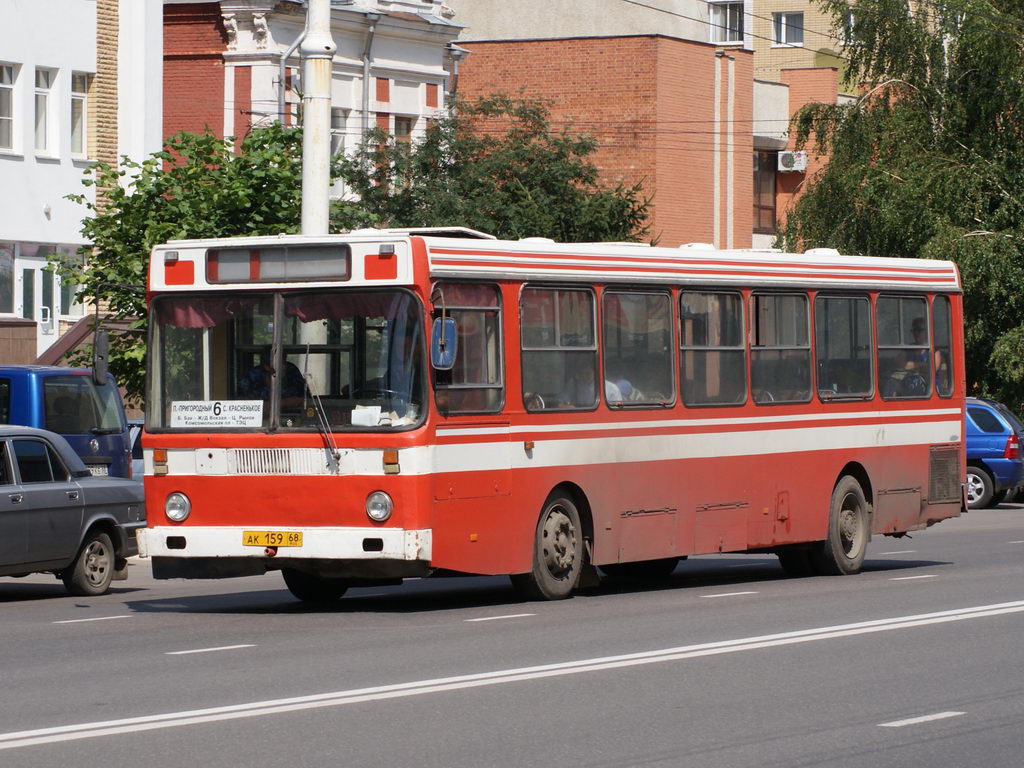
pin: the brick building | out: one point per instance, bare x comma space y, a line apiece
663, 109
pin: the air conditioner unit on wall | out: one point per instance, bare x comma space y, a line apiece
792, 161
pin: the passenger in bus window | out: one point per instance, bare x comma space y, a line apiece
256, 382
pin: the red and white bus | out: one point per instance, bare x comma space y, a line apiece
356, 409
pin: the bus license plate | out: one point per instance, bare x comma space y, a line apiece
272, 538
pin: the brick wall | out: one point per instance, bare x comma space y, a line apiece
243, 102
103, 105
806, 86
649, 102
194, 43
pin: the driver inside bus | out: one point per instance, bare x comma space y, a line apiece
255, 384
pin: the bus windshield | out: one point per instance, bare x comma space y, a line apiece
347, 360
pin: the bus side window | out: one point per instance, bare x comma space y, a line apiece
942, 333
712, 352
637, 347
476, 382
780, 349
904, 351
559, 349
842, 342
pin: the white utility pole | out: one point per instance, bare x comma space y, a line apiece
317, 50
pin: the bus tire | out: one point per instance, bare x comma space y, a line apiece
796, 563
642, 570
842, 551
557, 553
93, 568
979, 488
313, 589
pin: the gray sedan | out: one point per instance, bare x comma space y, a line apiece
56, 517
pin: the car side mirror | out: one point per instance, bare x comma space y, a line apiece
100, 350
444, 343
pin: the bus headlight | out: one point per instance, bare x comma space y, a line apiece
177, 506
379, 506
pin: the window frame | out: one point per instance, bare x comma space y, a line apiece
594, 347
603, 357
81, 98
754, 348
743, 347
10, 89
761, 156
499, 311
782, 21
719, 29
43, 95
872, 356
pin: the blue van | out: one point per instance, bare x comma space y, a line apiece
995, 467
70, 402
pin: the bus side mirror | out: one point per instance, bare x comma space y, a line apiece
100, 350
444, 343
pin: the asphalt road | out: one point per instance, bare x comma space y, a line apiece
914, 662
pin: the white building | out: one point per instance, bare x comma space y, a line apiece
76, 86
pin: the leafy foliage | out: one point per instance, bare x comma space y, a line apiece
929, 162
496, 165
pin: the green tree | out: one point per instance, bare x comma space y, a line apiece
198, 186
929, 161
496, 165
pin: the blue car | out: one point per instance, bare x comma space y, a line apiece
995, 467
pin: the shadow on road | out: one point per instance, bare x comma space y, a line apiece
424, 596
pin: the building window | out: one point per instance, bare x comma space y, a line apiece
6, 278
6, 106
403, 129
789, 28
44, 82
764, 192
726, 22
79, 112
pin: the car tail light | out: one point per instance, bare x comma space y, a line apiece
1012, 449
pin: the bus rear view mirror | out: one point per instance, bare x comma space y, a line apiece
100, 351
444, 343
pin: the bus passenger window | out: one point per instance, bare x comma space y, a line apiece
637, 339
942, 325
559, 349
475, 384
904, 357
780, 354
842, 345
713, 366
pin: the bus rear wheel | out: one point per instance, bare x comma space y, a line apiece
843, 551
313, 589
557, 553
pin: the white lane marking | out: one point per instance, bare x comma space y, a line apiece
922, 719
1017, 542
16, 739
509, 616
899, 552
730, 594
95, 618
209, 650
911, 578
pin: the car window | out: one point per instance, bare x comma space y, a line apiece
136, 442
5, 467
1009, 415
986, 421
37, 462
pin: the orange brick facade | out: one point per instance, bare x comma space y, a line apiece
194, 45
650, 102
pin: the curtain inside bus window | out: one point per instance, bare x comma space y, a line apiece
637, 339
842, 337
474, 384
713, 368
780, 356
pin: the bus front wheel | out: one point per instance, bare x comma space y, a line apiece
842, 552
557, 553
313, 589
